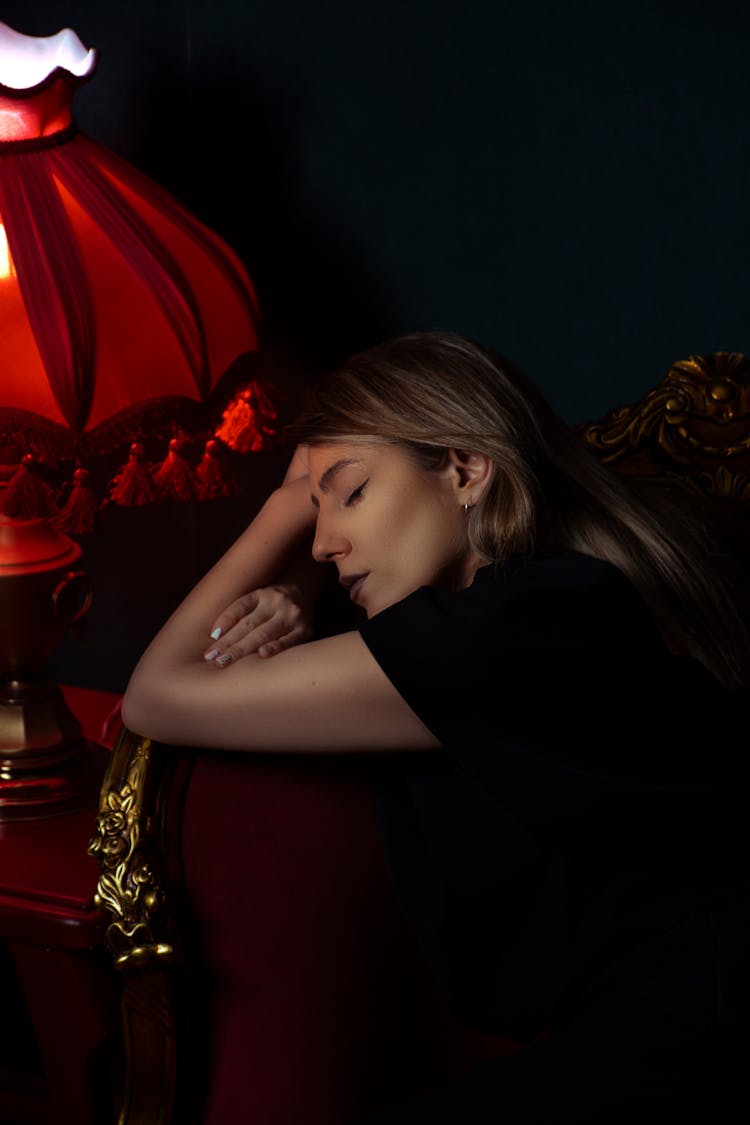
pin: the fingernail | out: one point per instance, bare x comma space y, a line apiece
222, 661
216, 633
212, 652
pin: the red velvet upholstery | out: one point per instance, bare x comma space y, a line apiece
318, 1003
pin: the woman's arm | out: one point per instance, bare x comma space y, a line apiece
280, 530
325, 696
268, 619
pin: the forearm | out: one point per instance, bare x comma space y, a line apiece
270, 547
301, 571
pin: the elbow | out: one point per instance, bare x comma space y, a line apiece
137, 709
156, 711
130, 711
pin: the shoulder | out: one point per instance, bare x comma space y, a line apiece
518, 597
550, 573
553, 622
553, 589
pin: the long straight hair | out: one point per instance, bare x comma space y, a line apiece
434, 391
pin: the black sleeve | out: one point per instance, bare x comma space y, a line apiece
550, 684
506, 644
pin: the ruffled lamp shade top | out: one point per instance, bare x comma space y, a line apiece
27, 61
112, 293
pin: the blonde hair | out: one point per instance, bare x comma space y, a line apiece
435, 391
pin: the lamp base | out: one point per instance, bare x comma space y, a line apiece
46, 766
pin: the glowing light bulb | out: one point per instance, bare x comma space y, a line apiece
6, 262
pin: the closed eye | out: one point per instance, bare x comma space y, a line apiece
353, 497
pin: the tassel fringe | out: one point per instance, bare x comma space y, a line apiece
79, 514
248, 422
134, 485
212, 475
28, 496
175, 478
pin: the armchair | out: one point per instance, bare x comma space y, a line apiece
267, 974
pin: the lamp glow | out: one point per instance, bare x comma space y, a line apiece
120, 297
6, 262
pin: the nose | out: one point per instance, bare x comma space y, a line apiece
329, 544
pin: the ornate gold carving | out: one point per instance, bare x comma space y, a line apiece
129, 888
699, 415
724, 485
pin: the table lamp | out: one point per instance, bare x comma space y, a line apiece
120, 314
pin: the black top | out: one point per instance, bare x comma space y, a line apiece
589, 791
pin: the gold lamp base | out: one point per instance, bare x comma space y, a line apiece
46, 766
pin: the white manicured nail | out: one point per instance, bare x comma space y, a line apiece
216, 633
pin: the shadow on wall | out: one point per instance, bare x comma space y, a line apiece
233, 157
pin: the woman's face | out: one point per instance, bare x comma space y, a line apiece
388, 525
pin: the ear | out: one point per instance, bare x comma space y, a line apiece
469, 473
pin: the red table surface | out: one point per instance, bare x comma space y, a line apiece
47, 879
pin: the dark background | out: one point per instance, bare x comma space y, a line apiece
566, 182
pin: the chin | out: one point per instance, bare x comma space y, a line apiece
376, 607
385, 603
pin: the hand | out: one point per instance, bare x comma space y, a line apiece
265, 621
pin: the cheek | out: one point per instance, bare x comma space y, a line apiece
435, 537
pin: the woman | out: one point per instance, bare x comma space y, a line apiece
565, 837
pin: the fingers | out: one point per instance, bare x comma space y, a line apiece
296, 636
264, 641
233, 614
274, 622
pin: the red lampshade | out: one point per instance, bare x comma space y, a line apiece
118, 309
113, 296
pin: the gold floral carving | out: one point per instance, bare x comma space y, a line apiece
129, 887
698, 417
723, 484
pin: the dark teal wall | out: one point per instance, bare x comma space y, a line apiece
566, 181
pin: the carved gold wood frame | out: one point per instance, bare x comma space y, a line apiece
130, 887
695, 424
129, 844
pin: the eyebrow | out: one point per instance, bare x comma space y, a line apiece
330, 474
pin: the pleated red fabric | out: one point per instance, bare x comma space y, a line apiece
113, 295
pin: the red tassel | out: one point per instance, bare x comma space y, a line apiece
175, 478
212, 476
134, 485
27, 496
248, 422
78, 516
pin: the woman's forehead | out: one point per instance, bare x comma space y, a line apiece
326, 461
327, 453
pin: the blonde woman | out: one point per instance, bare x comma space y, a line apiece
566, 839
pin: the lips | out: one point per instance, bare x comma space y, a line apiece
353, 583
